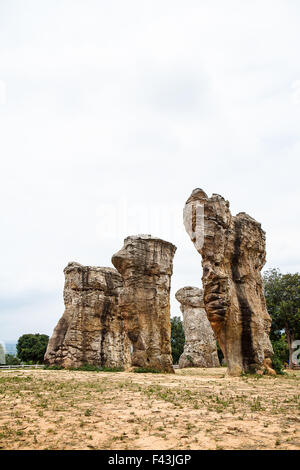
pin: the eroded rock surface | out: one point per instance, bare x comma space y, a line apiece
146, 265
233, 254
200, 348
91, 330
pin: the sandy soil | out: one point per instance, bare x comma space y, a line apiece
193, 409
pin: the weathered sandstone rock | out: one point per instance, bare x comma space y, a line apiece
233, 254
91, 330
200, 348
146, 265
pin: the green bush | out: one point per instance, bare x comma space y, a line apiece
281, 349
11, 360
112, 369
86, 367
281, 354
147, 370
31, 348
53, 367
177, 338
277, 365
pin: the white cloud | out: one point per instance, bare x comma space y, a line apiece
137, 103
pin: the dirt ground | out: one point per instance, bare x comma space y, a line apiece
193, 409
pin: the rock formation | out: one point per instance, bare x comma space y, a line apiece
233, 254
2, 353
91, 330
200, 348
146, 265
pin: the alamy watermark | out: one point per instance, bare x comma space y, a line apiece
160, 220
193, 219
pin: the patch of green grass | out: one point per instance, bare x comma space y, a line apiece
86, 368
147, 370
256, 405
53, 368
111, 369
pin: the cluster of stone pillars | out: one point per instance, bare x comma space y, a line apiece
120, 317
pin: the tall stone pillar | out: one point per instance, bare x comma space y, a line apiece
91, 330
233, 254
146, 265
200, 348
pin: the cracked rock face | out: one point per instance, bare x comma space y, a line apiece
146, 266
233, 254
200, 348
91, 330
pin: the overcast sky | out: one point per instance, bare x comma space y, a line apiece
112, 112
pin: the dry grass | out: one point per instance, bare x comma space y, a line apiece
193, 409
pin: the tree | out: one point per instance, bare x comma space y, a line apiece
32, 348
281, 349
177, 338
12, 360
282, 292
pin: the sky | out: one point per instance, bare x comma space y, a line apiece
111, 113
